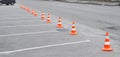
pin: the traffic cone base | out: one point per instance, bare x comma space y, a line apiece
59, 25
73, 32
107, 49
48, 20
42, 18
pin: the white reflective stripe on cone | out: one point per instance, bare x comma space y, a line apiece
107, 36
60, 23
73, 25
107, 43
73, 29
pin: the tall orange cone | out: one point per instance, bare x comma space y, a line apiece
107, 46
73, 31
59, 25
42, 16
48, 18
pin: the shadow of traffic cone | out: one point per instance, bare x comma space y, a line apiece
107, 46
59, 25
73, 31
48, 18
42, 16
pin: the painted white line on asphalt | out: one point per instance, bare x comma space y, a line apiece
19, 21
6, 17
54, 45
17, 26
23, 25
26, 33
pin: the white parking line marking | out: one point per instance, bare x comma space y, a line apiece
26, 33
6, 17
23, 25
20, 21
17, 26
54, 45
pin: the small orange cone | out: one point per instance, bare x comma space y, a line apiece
28, 10
42, 16
35, 14
48, 18
73, 31
33, 11
59, 25
107, 46
21, 6
24, 7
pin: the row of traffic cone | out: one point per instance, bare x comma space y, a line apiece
73, 31
59, 25
34, 13
27, 9
106, 47
48, 17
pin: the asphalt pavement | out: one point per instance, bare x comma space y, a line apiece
24, 35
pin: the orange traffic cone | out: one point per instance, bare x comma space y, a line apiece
24, 7
42, 16
21, 6
107, 46
48, 19
33, 11
73, 31
35, 14
28, 10
59, 25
